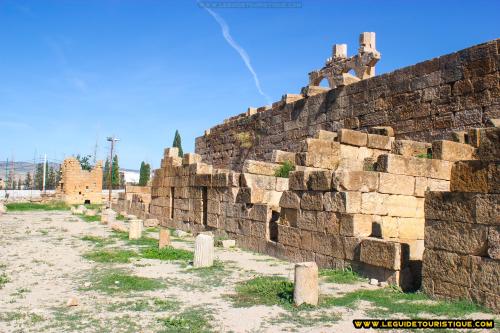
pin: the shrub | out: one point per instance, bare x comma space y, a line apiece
284, 170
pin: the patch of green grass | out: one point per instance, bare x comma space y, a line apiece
120, 217
167, 253
117, 281
264, 290
345, 276
213, 276
391, 301
152, 229
306, 319
93, 206
143, 241
154, 305
428, 155
44, 232
96, 218
27, 206
98, 241
191, 320
285, 169
3, 280
111, 256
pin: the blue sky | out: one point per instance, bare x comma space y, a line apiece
73, 72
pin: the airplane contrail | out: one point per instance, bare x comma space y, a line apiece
243, 54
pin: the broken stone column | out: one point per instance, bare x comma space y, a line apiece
164, 238
135, 229
203, 251
306, 288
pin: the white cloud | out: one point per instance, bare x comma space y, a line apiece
241, 51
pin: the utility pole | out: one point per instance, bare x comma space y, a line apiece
44, 171
112, 139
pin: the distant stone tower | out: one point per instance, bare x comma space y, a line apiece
79, 186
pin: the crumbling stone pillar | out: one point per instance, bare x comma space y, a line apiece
135, 229
203, 251
164, 238
306, 289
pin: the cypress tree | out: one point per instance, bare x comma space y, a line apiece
142, 178
115, 173
177, 143
27, 181
105, 175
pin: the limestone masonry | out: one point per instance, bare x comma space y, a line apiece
79, 186
414, 185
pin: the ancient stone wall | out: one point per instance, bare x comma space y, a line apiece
423, 102
135, 200
355, 199
79, 186
462, 229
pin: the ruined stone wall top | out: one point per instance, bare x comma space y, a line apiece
424, 102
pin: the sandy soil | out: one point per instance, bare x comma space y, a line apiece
41, 255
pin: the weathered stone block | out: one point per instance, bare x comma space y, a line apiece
308, 220
447, 266
362, 181
463, 207
319, 180
410, 148
381, 130
380, 141
282, 184
353, 138
258, 181
485, 274
288, 236
355, 225
424, 184
280, 156
489, 145
386, 227
352, 247
289, 216
396, 184
290, 199
494, 242
260, 168
411, 228
191, 158
326, 135
320, 154
312, 201
475, 176
464, 238
330, 245
381, 253
404, 206
373, 203
452, 151
298, 180
343, 202
415, 247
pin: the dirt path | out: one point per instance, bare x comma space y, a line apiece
42, 259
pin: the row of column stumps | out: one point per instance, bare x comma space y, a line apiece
306, 287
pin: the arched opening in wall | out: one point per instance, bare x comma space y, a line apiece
324, 83
273, 226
